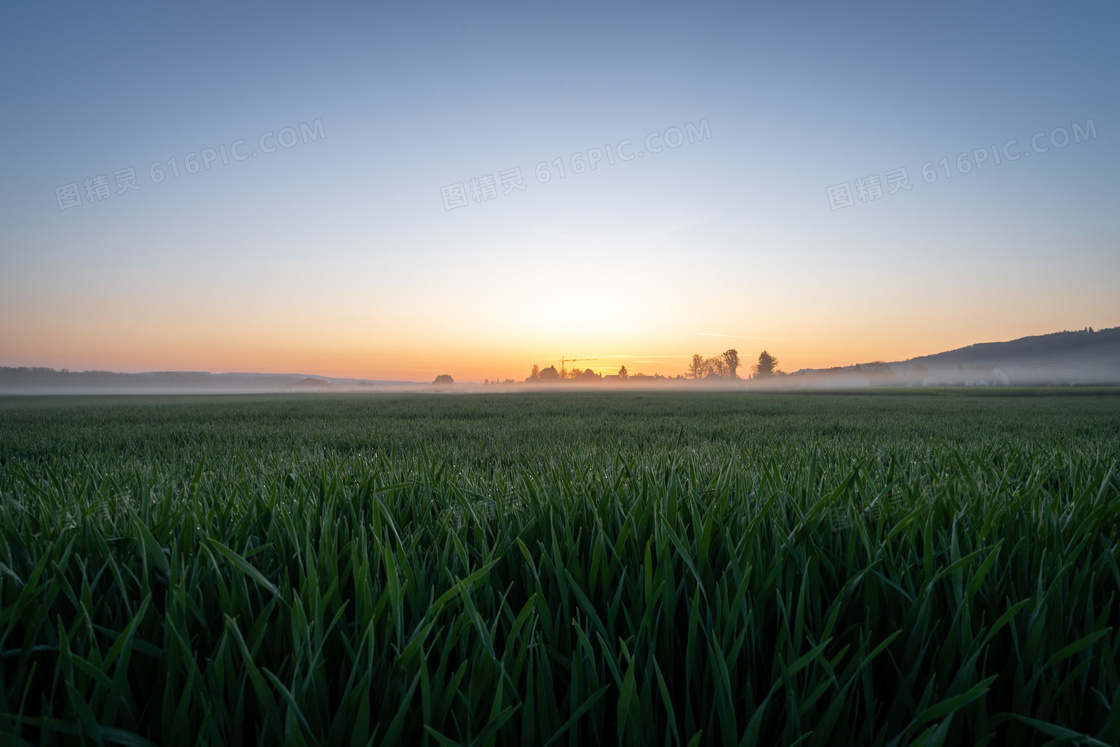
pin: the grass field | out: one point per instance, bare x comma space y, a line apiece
935, 567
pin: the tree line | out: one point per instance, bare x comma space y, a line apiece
726, 365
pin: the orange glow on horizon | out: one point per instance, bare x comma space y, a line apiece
333, 355
475, 336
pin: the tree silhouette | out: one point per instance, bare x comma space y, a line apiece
766, 364
696, 368
444, 380
731, 360
623, 374
549, 374
715, 368
535, 374
722, 366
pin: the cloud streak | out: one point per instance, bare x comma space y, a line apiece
741, 337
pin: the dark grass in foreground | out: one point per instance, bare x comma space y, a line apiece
566, 569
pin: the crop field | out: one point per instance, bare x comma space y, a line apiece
888, 568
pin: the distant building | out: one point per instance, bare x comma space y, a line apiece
985, 376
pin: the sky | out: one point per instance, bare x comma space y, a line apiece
394, 193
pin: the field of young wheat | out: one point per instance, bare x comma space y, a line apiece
565, 569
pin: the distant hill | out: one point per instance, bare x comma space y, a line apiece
50, 381
1083, 348
1084, 357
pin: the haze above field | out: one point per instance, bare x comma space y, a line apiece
1085, 357
389, 194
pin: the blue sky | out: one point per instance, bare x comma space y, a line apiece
337, 255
